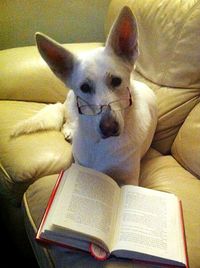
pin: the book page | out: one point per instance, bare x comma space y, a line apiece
149, 222
88, 203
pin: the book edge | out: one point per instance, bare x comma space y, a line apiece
51, 198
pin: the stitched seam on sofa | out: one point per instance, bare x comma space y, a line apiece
177, 38
46, 252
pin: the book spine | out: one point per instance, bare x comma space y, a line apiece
49, 204
46, 242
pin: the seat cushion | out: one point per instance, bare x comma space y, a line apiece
28, 157
157, 172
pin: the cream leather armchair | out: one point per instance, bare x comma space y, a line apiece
169, 63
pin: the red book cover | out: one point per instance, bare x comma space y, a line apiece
184, 235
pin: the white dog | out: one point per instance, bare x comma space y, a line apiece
111, 117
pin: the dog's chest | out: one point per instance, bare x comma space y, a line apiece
109, 156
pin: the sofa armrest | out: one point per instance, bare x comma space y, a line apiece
26, 158
25, 76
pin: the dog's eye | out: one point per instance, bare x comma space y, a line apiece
116, 81
86, 88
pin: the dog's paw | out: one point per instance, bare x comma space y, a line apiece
68, 131
20, 128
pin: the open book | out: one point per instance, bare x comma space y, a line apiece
87, 208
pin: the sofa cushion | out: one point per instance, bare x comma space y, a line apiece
158, 172
27, 157
174, 105
186, 147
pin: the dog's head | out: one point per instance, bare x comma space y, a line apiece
100, 78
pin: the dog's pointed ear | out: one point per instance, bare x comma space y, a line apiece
123, 36
60, 60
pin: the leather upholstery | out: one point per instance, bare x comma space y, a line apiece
26, 158
174, 105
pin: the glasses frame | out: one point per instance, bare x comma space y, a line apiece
100, 107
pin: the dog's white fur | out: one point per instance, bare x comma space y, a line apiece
118, 156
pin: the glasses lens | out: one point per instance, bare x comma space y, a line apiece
119, 105
90, 109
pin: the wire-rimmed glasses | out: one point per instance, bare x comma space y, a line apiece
86, 108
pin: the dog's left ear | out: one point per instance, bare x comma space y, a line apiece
60, 60
123, 36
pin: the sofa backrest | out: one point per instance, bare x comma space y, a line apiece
169, 39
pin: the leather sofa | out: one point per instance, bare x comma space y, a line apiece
169, 63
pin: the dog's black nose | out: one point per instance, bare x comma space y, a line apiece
109, 127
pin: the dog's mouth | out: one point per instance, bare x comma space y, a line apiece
109, 135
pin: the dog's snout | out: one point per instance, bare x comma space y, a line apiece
109, 126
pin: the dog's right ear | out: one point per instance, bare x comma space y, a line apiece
123, 36
60, 60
